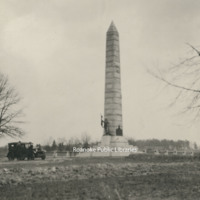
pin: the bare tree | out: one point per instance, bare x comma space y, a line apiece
185, 77
9, 111
85, 138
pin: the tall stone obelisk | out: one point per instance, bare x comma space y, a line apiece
113, 97
112, 136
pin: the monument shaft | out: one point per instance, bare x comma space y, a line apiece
113, 97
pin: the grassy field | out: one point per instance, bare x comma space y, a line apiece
138, 177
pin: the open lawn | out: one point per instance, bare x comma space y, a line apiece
132, 178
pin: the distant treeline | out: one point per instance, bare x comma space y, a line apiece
163, 144
67, 145
141, 144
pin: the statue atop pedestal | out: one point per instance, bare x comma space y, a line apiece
105, 125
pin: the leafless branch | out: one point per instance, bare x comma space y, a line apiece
197, 51
173, 84
185, 76
9, 112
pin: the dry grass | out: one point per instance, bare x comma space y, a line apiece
100, 178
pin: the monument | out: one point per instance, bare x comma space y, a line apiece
113, 143
113, 97
113, 121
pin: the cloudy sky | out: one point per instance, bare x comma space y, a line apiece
53, 52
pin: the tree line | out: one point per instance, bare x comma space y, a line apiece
141, 144
163, 144
67, 145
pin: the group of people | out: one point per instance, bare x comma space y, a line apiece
105, 125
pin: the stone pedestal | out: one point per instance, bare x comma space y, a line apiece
105, 141
113, 141
109, 147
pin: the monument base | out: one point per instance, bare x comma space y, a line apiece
110, 146
114, 141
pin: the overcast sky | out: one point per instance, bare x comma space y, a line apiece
53, 52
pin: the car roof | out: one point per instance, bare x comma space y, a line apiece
20, 143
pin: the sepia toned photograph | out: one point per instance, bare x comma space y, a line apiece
99, 100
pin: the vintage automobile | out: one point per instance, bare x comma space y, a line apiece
23, 150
